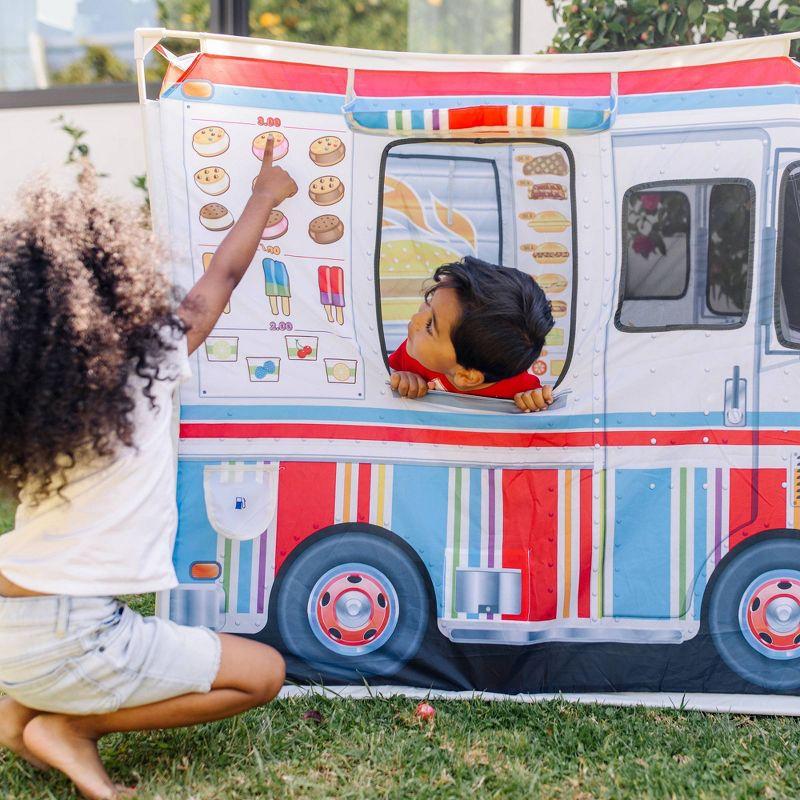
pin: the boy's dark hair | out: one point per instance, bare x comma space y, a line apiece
505, 317
83, 304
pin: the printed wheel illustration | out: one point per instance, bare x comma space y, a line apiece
353, 604
754, 614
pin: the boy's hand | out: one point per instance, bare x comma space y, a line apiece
275, 183
409, 384
534, 399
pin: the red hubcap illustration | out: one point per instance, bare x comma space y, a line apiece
353, 608
772, 615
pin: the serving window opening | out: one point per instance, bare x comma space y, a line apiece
507, 203
687, 255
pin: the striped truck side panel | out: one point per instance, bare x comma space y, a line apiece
637, 543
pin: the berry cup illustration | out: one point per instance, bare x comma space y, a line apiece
302, 348
264, 369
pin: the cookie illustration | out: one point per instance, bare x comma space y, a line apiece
549, 222
280, 145
551, 253
547, 191
551, 283
558, 308
211, 141
326, 191
276, 226
212, 180
326, 229
554, 164
326, 151
215, 217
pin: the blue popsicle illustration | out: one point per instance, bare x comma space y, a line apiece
276, 285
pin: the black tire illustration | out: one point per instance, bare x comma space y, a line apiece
754, 614
351, 605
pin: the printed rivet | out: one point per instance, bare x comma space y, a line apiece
585, 199
652, 486
597, 445
652, 413
705, 440
652, 370
597, 420
653, 441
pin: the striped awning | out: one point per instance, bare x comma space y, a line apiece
493, 118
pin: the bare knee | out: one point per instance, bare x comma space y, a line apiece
273, 675
255, 669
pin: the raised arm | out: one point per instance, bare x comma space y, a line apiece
202, 307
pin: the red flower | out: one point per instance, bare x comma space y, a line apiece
643, 245
650, 202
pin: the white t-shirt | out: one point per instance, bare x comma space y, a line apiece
113, 531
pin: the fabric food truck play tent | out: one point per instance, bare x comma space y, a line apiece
641, 538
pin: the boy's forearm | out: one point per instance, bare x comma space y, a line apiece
234, 255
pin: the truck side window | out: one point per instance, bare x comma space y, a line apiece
686, 255
787, 282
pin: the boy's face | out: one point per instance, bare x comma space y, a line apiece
429, 331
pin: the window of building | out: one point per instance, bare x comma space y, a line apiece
787, 283
686, 255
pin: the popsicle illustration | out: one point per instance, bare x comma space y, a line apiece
331, 292
206, 264
276, 285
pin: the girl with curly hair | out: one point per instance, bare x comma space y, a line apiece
92, 347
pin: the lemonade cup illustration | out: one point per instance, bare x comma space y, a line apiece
222, 348
302, 348
340, 370
264, 369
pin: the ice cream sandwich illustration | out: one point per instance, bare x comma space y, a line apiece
326, 229
547, 191
277, 286
551, 283
549, 222
554, 164
264, 369
212, 180
326, 191
280, 145
550, 253
215, 217
211, 141
558, 308
276, 226
340, 370
206, 264
331, 292
326, 151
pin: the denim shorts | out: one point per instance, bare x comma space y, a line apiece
93, 655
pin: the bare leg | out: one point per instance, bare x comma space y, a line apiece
250, 674
13, 719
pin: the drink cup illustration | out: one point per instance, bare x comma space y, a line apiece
340, 370
302, 348
264, 369
222, 348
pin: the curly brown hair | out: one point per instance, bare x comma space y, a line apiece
83, 304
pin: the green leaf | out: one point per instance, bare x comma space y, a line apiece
598, 43
695, 10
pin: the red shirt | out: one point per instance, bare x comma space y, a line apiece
401, 361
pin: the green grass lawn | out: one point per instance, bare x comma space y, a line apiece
377, 749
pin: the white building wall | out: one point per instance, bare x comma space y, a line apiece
33, 143
537, 26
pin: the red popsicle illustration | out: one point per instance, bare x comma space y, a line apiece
331, 292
